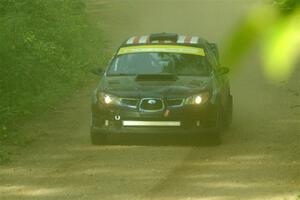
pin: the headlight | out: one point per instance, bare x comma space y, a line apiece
108, 99
197, 99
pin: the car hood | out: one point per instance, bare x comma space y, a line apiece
127, 86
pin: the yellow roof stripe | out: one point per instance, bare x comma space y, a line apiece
162, 48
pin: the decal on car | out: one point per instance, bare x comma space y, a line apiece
162, 49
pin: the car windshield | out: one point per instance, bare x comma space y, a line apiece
160, 63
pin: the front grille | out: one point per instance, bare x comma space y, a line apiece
174, 102
130, 102
151, 104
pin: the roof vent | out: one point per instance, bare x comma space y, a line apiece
163, 37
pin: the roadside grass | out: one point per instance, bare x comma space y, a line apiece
47, 51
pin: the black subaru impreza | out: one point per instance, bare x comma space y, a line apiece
162, 83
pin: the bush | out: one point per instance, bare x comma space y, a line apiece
47, 48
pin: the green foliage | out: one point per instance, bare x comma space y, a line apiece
275, 27
47, 48
4, 156
287, 6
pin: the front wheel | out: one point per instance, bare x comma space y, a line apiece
228, 113
213, 137
98, 138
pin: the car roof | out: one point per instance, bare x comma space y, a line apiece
165, 38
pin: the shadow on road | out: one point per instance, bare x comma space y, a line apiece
161, 140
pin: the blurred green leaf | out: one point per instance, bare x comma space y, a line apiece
278, 33
281, 48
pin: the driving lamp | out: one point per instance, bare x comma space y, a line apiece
108, 99
197, 99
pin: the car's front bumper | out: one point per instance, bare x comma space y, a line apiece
185, 120
151, 130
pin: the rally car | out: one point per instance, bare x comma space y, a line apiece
162, 83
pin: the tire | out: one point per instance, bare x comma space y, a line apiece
98, 138
213, 138
229, 113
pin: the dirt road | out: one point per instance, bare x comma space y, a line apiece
259, 157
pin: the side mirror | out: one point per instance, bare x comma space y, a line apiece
222, 71
215, 50
98, 71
